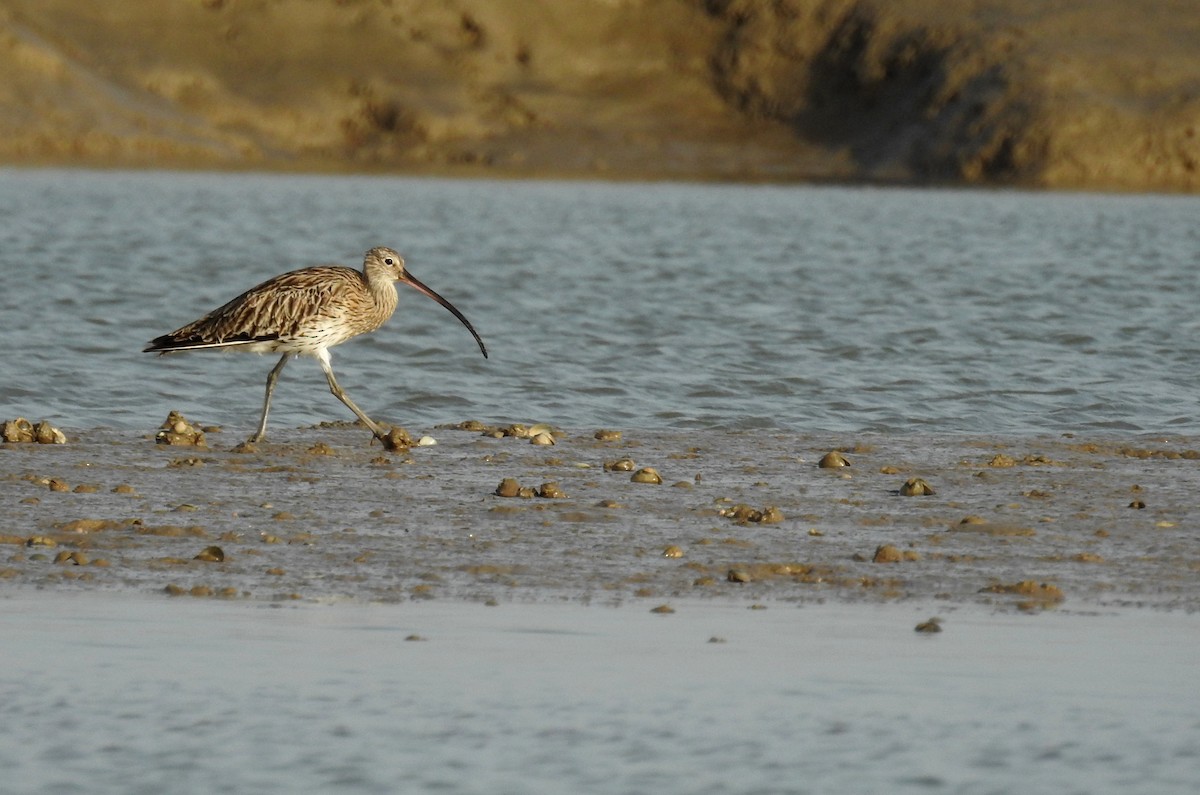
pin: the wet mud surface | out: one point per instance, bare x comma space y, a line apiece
319, 514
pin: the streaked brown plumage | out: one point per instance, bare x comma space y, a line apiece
306, 312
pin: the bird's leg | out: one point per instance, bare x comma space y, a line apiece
340, 394
272, 377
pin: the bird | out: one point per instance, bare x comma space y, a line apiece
306, 312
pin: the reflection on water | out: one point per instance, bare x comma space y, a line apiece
611, 304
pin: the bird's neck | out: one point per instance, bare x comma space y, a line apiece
383, 288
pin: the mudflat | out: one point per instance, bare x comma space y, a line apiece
324, 513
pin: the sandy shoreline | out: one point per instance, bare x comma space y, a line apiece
1096, 95
319, 514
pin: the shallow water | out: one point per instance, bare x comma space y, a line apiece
644, 306
923, 331
121, 694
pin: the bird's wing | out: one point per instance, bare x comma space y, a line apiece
278, 308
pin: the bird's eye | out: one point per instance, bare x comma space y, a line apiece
389, 261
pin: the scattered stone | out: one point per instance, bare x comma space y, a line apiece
932, 625
771, 515
92, 525
396, 439
177, 431
738, 575
916, 487
886, 553
1137, 504
551, 491
1001, 460
647, 475
22, 431
18, 431
509, 487
211, 555
832, 460
662, 609
40, 541
426, 441
716, 639
620, 465
742, 514
542, 439
74, 558
673, 551
320, 448
605, 435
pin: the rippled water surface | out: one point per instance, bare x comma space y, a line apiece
813, 308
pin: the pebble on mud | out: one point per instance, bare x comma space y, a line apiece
742, 513
673, 551
606, 435
211, 555
620, 465
509, 487
916, 487
832, 460
886, 553
396, 439
75, 558
647, 475
551, 491
22, 430
662, 609
932, 625
177, 431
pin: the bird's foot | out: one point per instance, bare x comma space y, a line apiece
248, 446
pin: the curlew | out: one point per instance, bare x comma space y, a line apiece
306, 312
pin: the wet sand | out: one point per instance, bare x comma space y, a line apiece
322, 514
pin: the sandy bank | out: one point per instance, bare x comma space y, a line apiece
1064, 95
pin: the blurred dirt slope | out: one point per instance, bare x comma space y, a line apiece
1066, 94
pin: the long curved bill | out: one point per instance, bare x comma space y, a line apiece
417, 285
